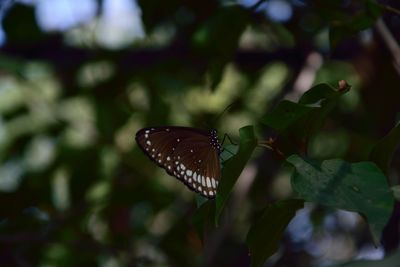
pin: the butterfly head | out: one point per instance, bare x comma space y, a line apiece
214, 140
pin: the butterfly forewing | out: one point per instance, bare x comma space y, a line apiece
191, 155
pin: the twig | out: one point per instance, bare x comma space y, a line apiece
271, 145
391, 9
390, 42
257, 5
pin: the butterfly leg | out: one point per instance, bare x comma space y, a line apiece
230, 140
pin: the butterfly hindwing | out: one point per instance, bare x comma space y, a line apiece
191, 155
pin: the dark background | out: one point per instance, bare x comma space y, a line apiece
78, 79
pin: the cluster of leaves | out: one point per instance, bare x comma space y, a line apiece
359, 187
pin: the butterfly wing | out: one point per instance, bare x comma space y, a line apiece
191, 155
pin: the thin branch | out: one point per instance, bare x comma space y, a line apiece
390, 42
391, 9
257, 5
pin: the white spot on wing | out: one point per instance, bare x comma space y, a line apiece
148, 142
213, 183
183, 166
189, 172
208, 181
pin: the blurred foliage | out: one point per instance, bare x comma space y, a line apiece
75, 189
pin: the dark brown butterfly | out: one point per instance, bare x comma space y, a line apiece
191, 155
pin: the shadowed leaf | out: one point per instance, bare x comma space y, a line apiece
383, 151
266, 233
297, 122
233, 167
359, 187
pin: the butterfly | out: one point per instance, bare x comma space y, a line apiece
189, 154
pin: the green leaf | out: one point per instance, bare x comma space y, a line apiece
383, 151
21, 26
213, 41
233, 167
374, 8
286, 114
359, 187
390, 261
320, 94
202, 217
266, 233
349, 25
212, 37
299, 121
228, 152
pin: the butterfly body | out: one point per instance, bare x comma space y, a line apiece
189, 154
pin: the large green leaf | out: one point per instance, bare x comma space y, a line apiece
390, 261
233, 167
383, 151
359, 187
266, 233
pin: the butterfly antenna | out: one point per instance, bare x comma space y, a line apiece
222, 112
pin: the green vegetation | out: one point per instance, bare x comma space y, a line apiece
312, 175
